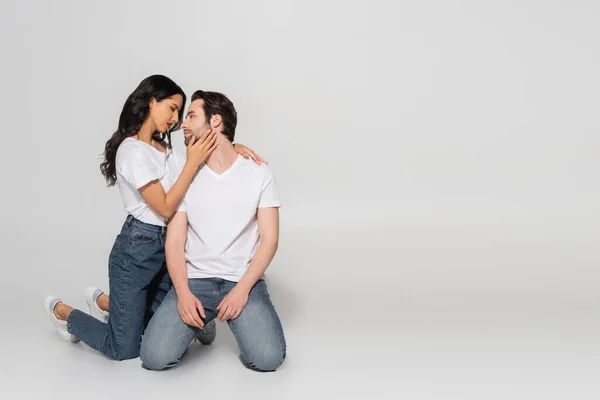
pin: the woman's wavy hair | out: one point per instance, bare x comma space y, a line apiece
134, 114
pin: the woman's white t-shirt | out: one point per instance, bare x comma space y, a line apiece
138, 164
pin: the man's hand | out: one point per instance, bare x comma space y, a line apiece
190, 309
233, 303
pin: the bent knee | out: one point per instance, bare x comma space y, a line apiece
156, 360
267, 360
124, 357
155, 357
122, 353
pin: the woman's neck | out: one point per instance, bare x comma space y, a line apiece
145, 132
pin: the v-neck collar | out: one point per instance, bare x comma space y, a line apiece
227, 171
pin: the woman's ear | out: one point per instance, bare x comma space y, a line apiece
152, 103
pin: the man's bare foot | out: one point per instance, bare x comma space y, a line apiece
102, 302
62, 311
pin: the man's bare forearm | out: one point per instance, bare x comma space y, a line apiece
259, 264
177, 268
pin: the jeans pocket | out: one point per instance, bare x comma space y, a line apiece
140, 237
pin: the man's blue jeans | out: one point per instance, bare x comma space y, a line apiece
257, 329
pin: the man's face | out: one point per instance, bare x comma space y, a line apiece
195, 123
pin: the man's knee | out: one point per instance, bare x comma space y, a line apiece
156, 361
156, 358
265, 360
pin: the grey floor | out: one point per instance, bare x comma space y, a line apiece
398, 314
438, 165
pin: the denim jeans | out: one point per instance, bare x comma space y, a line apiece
257, 329
138, 283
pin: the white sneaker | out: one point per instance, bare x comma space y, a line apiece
95, 311
61, 326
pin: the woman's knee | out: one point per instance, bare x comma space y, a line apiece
121, 352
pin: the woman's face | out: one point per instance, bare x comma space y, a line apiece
165, 113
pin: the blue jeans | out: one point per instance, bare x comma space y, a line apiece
138, 283
257, 329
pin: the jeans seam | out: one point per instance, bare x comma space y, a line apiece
70, 323
121, 313
112, 256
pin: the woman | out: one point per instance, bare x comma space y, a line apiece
152, 181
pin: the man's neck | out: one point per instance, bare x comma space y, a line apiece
223, 157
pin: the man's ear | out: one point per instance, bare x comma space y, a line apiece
216, 121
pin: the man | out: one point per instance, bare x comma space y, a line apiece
218, 246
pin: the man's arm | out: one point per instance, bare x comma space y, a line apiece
189, 307
175, 252
268, 228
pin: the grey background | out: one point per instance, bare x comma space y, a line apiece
438, 164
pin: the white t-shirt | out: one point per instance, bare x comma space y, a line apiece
222, 218
138, 164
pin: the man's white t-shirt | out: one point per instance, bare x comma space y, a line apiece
138, 164
221, 209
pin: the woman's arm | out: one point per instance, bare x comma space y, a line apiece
165, 204
246, 152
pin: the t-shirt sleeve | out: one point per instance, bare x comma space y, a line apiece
269, 196
137, 167
180, 161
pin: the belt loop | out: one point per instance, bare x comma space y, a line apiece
129, 219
